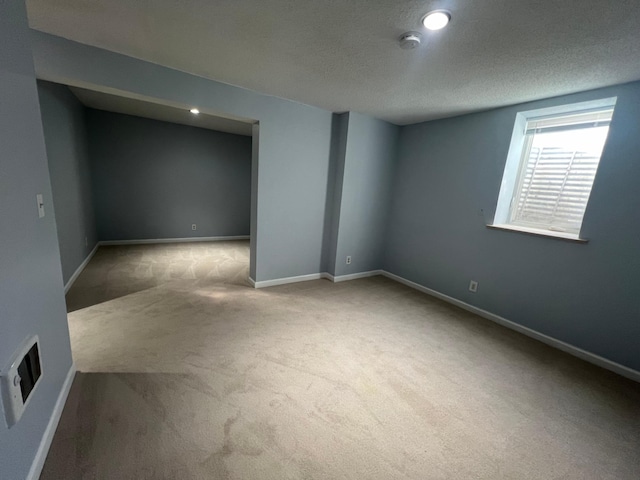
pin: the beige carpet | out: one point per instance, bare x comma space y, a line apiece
187, 373
116, 271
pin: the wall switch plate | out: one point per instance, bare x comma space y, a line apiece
349, 260
473, 286
193, 226
40, 201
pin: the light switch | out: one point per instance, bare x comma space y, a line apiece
40, 205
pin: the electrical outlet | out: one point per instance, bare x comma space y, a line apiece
40, 202
349, 260
473, 286
86, 242
193, 226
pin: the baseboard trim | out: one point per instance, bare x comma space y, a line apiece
313, 276
47, 438
553, 342
149, 241
284, 281
353, 276
79, 270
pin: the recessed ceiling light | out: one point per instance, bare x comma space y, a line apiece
195, 111
436, 20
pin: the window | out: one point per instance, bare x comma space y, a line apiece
551, 166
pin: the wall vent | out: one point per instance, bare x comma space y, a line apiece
20, 378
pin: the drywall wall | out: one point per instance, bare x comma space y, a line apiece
364, 190
63, 121
154, 179
31, 288
255, 143
339, 130
294, 143
445, 192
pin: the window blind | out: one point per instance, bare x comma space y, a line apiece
579, 120
558, 170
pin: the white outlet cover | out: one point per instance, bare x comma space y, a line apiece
473, 286
40, 201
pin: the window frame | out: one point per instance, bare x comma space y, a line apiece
516, 163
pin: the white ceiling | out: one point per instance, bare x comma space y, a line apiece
343, 54
156, 111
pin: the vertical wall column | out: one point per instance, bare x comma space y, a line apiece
363, 160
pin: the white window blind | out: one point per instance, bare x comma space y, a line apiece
585, 119
557, 169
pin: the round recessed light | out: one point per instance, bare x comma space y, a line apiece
436, 20
195, 111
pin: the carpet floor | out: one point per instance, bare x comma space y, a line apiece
185, 372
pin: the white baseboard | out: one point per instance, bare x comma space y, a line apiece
553, 342
173, 240
353, 276
47, 438
313, 276
284, 281
79, 270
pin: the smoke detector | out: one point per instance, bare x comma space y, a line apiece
410, 40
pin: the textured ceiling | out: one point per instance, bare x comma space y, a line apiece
156, 111
343, 54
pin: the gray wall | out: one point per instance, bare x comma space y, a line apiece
293, 148
63, 121
154, 179
31, 289
366, 161
445, 192
255, 144
339, 130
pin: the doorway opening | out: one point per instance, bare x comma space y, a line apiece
148, 193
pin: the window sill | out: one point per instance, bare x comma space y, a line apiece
569, 237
